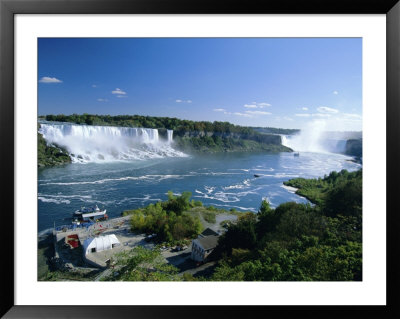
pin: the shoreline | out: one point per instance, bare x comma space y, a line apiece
58, 262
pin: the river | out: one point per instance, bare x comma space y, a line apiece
223, 180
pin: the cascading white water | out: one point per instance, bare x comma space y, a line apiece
88, 143
170, 136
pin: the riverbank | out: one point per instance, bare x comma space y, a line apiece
57, 261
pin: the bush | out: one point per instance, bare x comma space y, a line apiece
209, 217
160, 219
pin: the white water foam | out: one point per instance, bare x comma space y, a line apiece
88, 143
152, 178
53, 200
244, 184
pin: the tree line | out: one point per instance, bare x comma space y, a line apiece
170, 123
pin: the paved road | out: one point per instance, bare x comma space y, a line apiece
103, 274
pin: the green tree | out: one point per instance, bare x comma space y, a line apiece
141, 264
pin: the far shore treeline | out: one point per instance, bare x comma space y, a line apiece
170, 123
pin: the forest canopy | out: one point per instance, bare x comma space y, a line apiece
299, 242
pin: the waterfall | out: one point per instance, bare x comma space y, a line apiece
87, 143
170, 136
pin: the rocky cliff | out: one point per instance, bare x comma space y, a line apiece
354, 147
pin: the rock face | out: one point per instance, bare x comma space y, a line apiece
51, 155
354, 147
260, 138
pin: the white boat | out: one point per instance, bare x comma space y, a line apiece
89, 214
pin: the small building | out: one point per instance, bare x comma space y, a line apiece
208, 232
101, 243
204, 245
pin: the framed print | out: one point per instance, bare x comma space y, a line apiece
176, 159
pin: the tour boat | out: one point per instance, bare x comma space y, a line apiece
89, 214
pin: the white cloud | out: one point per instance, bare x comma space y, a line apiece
258, 113
118, 91
102, 100
219, 110
255, 105
183, 101
242, 114
304, 108
120, 96
249, 113
335, 92
321, 115
94, 86
352, 116
286, 118
47, 79
250, 106
178, 101
313, 115
189, 101
325, 109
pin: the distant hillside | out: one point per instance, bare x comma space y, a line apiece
273, 130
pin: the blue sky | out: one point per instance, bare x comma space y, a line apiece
277, 82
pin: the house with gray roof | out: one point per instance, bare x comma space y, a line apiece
203, 245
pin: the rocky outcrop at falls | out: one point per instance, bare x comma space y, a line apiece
260, 138
51, 155
220, 143
216, 141
354, 147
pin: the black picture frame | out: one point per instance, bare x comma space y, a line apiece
8, 8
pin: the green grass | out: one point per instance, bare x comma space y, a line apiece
209, 217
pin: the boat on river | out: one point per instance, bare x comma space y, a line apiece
89, 215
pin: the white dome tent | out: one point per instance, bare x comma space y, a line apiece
96, 244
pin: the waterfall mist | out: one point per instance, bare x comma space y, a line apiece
314, 138
87, 143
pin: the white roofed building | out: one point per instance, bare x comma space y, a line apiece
101, 243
